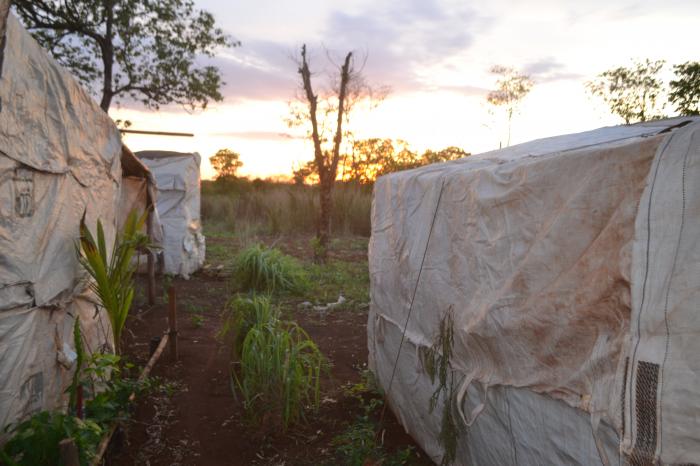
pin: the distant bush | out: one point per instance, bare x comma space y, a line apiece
268, 270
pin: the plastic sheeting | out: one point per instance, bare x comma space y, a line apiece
531, 249
178, 205
59, 157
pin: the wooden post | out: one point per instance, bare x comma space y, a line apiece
68, 452
172, 322
79, 401
151, 261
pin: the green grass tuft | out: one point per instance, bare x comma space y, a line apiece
279, 369
242, 314
268, 270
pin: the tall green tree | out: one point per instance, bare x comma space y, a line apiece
511, 88
226, 163
631, 93
685, 89
143, 49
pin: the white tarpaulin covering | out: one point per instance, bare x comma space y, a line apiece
59, 157
178, 205
571, 267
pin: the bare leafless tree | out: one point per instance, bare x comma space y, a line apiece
328, 113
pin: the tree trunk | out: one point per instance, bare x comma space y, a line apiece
331, 169
107, 51
323, 233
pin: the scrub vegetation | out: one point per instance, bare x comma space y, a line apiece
102, 378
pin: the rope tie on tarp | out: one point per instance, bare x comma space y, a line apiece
410, 307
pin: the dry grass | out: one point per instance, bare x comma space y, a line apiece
246, 208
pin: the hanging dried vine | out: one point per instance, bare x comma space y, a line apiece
436, 362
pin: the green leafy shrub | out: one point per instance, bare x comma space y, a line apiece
36, 440
359, 443
108, 391
112, 275
268, 270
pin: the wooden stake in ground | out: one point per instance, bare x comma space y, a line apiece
68, 451
172, 322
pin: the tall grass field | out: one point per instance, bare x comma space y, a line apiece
261, 207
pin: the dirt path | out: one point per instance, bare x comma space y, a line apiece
200, 423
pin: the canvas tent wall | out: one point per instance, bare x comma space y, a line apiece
59, 157
570, 268
178, 206
138, 193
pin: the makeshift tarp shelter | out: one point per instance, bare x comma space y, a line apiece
138, 192
570, 267
178, 185
60, 156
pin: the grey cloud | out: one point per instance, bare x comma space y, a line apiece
404, 37
396, 41
548, 70
543, 66
260, 70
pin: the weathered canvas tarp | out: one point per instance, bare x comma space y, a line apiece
535, 251
138, 193
661, 397
59, 157
178, 205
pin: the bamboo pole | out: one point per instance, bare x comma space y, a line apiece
156, 133
150, 260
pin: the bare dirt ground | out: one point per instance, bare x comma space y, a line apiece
197, 420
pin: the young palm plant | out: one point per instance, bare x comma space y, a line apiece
112, 274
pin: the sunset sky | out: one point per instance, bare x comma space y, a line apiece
435, 57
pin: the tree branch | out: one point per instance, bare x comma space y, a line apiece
312, 99
345, 73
